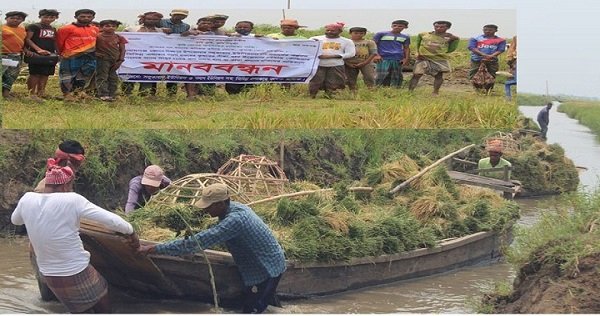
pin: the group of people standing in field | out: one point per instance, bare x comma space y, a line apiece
89, 54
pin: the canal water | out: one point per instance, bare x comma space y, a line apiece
579, 142
453, 292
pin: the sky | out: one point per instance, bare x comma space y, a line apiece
557, 39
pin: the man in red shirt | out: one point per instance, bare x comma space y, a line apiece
13, 41
76, 44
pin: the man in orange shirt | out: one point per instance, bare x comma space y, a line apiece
13, 41
76, 44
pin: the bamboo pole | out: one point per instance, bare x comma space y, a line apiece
422, 172
273, 198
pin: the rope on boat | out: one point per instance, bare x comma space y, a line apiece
210, 270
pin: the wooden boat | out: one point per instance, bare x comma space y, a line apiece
188, 277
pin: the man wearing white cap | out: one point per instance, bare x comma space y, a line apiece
175, 25
142, 188
256, 252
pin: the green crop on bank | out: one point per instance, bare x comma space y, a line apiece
586, 112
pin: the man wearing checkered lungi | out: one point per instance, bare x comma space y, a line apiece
52, 221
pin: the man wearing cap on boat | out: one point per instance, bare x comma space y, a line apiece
495, 160
52, 219
256, 252
142, 188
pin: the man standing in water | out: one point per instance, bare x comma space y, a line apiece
543, 119
254, 249
52, 219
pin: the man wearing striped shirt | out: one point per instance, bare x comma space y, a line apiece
256, 252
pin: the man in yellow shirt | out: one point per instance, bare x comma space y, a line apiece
495, 160
13, 42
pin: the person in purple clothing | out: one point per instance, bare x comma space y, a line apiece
486, 48
393, 52
142, 188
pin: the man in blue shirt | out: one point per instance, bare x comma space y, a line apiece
254, 249
175, 25
486, 48
393, 52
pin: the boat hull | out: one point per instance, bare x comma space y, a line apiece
189, 277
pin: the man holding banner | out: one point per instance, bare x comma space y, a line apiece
331, 73
155, 57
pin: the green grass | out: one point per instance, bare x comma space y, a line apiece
269, 107
534, 99
586, 112
567, 231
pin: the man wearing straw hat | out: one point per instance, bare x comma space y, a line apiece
495, 160
256, 252
52, 219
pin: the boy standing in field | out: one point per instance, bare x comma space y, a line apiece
331, 73
110, 54
41, 40
366, 50
393, 52
76, 43
13, 42
432, 55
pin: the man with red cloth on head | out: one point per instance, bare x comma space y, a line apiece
495, 148
69, 152
52, 219
331, 73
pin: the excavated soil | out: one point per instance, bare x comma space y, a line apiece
542, 288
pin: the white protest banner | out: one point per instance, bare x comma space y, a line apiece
154, 57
